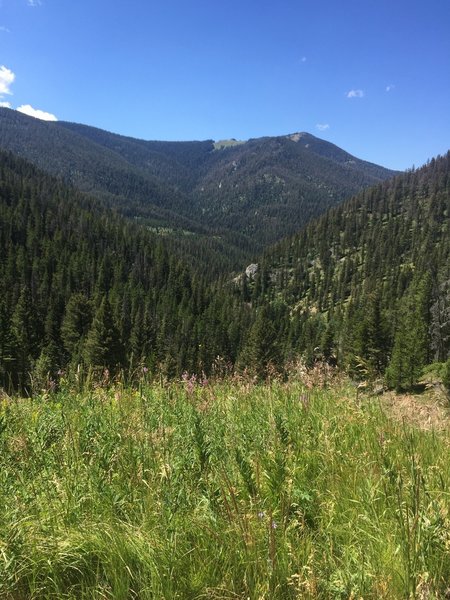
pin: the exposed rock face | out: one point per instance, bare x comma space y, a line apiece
251, 270
296, 137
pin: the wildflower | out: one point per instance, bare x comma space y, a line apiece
261, 514
190, 381
274, 525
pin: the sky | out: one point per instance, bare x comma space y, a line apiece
372, 76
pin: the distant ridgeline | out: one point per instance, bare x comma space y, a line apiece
367, 285
234, 198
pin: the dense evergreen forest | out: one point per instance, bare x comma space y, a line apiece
80, 284
235, 198
367, 285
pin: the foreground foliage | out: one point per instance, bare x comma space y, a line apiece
228, 490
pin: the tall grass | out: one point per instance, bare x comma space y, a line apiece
231, 490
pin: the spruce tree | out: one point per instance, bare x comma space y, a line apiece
25, 337
103, 347
410, 351
261, 349
75, 326
6, 346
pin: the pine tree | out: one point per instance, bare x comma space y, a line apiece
6, 346
261, 349
410, 351
371, 343
46, 367
25, 338
103, 347
75, 326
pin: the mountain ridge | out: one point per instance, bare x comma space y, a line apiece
367, 283
250, 194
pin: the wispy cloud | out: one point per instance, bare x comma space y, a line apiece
4, 29
5, 104
34, 3
322, 126
303, 59
6, 80
27, 109
355, 94
390, 87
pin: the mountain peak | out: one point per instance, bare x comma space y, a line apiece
252, 192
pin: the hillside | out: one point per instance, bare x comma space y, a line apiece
368, 283
247, 195
81, 284
366, 286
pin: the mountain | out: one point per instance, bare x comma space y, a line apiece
368, 283
242, 196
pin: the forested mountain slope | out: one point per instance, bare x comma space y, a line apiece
246, 195
270, 187
368, 283
80, 284
91, 167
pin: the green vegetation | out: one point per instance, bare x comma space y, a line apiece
225, 490
97, 279
296, 488
80, 284
367, 285
251, 194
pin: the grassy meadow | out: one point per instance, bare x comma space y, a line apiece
226, 490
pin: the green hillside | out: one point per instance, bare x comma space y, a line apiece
365, 286
247, 195
80, 284
368, 283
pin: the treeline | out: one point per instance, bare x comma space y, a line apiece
367, 285
81, 285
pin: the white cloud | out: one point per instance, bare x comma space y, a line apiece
355, 94
27, 109
322, 126
34, 3
4, 29
390, 87
6, 79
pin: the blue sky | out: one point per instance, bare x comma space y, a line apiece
370, 76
